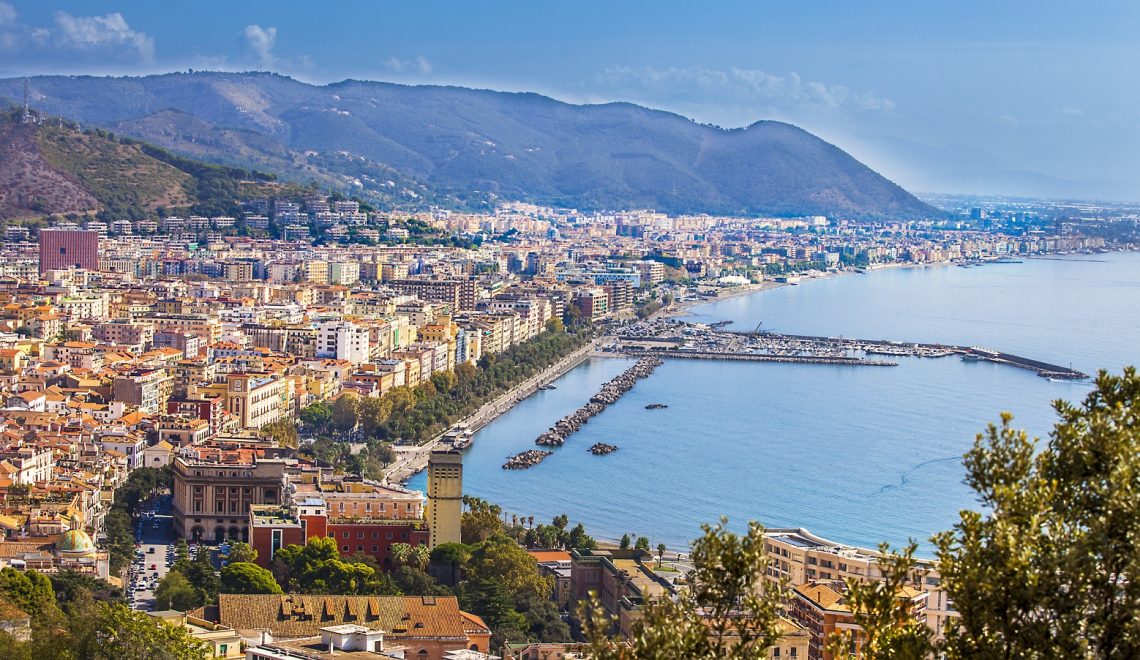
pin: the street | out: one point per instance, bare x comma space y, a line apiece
154, 552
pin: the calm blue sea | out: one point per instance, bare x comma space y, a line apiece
856, 454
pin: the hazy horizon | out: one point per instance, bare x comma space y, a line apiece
984, 100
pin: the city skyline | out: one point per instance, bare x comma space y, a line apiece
984, 100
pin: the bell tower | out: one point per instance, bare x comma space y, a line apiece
445, 496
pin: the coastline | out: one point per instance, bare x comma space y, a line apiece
413, 459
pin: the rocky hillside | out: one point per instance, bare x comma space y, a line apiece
53, 167
400, 143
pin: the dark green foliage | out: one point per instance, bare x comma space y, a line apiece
31, 591
70, 586
120, 543
246, 578
175, 592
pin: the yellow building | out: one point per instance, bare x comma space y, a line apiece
801, 557
445, 496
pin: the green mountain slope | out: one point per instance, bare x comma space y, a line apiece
474, 145
53, 167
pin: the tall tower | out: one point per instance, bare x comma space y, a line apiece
445, 496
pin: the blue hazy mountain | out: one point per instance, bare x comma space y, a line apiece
475, 145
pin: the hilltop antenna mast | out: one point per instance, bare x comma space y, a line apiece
27, 116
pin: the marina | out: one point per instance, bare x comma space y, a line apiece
672, 338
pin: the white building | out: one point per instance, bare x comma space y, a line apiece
343, 340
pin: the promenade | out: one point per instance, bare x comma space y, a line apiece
412, 459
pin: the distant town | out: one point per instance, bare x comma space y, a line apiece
279, 374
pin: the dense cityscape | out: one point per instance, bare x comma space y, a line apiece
280, 389
503, 331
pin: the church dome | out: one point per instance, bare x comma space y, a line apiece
75, 542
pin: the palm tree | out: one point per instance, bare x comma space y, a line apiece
420, 557
401, 553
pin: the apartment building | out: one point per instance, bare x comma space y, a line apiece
460, 294
343, 340
258, 399
800, 557
146, 389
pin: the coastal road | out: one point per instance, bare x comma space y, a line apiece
412, 459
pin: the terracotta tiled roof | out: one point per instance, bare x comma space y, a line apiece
400, 617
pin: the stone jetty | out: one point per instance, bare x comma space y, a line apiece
526, 459
601, 449
606, 396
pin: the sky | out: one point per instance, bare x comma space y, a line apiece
1033, 98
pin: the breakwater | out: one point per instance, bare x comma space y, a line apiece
917, 349
526, 459
608, 395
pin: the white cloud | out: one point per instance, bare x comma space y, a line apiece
7, 14
743, 86
109, 33
261, 41
420, 65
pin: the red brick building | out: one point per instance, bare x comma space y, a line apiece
274, 527
62, 248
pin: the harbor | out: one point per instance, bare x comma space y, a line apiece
673, 338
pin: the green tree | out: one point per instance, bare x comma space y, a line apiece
31, 591
480, 521
345, 411
1052, 568
578, 538
722, 612
401, 553
502, 560
246, 578
175, 592
316, 415
126, 634
449, 559
69, 585
884, 610
181, 557
120, 544
241, 552
414, 582
283, 432
202, 575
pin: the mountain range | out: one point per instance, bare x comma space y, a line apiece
403, 145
